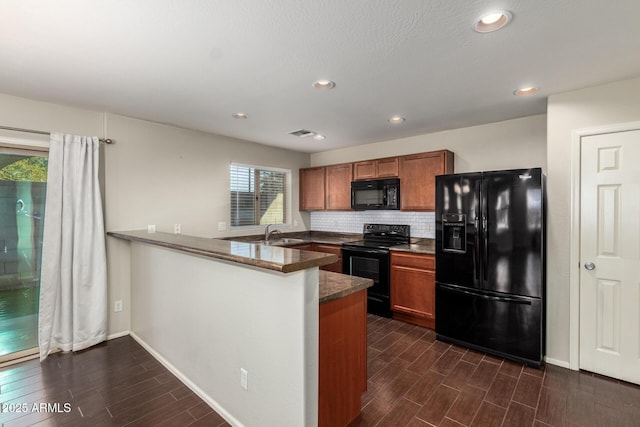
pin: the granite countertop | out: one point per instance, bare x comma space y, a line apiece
419, 246
276, 258
335, 285
333, 238
324, 237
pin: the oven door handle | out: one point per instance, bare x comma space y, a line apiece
366, 251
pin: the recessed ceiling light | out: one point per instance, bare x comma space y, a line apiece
318, 137
324, 84
492, 18
525, 91
492, 21
239, 116
396, 120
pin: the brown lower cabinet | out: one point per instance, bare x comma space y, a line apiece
413, 290
342, 352
342, 364
302, 247
336, 267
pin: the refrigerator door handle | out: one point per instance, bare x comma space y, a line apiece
511, 299
485, 238
484, 190
476, 252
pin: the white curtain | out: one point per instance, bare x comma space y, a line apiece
73, 283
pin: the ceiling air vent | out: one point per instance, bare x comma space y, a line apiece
302, 133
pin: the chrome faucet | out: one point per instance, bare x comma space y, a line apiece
268, 233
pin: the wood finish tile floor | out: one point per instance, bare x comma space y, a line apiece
415, 380
116, 383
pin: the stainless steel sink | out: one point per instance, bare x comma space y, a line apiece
286, 241
292, 241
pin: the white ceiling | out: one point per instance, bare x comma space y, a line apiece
192, 63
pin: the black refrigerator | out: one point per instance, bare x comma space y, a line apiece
490, 262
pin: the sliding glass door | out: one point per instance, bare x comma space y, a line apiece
23, 176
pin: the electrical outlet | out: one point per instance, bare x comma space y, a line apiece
117, 306
222, 226
151, 228
177, 228
244, 379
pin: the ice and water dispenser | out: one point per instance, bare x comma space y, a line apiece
454, 238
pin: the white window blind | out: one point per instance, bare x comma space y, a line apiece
258, 195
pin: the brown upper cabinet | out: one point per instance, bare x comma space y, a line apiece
374, 169
418, 179
329, 187
312, 192
338, 187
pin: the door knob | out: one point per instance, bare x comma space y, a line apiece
589, 266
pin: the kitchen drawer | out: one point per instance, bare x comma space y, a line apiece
336, 267
326, 248
302, 247
405, 259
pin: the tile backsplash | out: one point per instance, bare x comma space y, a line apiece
423, 224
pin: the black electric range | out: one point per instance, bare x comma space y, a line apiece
370, 258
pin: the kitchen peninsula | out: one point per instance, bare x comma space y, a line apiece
255, 330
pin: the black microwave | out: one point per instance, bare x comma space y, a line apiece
375, 194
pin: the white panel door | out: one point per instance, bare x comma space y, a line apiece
610, 255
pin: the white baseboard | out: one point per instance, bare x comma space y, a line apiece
117, 335
186, 381
557, 362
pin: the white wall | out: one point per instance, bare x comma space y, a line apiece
163, 175
160, 174
596, 106
153, 173
209, 318
512, 144
36, 115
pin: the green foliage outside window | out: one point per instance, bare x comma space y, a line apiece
33, 169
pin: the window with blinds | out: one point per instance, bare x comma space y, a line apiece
258, 195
